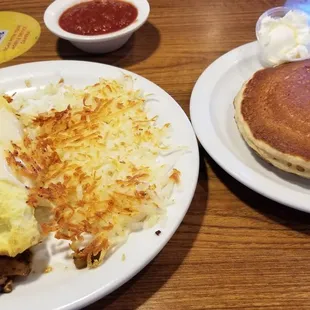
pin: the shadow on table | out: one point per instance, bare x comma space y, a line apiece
146, 283
288, 217
139, 47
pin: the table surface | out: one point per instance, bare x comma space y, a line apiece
235, 249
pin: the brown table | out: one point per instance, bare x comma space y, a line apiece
235, 249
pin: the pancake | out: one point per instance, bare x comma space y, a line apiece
272, 112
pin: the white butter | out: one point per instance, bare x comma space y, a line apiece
285, 39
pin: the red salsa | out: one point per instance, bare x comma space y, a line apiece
98, 17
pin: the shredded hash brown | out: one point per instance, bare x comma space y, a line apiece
94, 166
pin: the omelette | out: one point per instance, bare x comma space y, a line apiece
19, 229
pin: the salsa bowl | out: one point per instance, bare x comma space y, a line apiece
99, 44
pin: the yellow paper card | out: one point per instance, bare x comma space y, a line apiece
18, 33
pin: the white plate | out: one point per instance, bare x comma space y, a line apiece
212, 115
68, 288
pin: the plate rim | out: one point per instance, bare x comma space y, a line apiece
106, 289
213, 144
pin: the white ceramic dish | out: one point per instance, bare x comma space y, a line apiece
66, 287
94, 44
212, 115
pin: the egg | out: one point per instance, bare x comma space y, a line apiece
19, 230
10, 130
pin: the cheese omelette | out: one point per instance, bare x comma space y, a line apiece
19, 229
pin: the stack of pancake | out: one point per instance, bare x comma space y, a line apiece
272, 111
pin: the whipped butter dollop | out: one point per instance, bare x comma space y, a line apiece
285, 39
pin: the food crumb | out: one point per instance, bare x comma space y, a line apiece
123, 257
48, 269
8, 287
9, 99
61, 81
28, 83
158, 232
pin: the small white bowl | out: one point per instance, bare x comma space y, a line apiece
97, 44
276, 12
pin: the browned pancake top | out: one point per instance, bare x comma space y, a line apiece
276, 106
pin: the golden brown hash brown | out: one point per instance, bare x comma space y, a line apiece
95, 166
